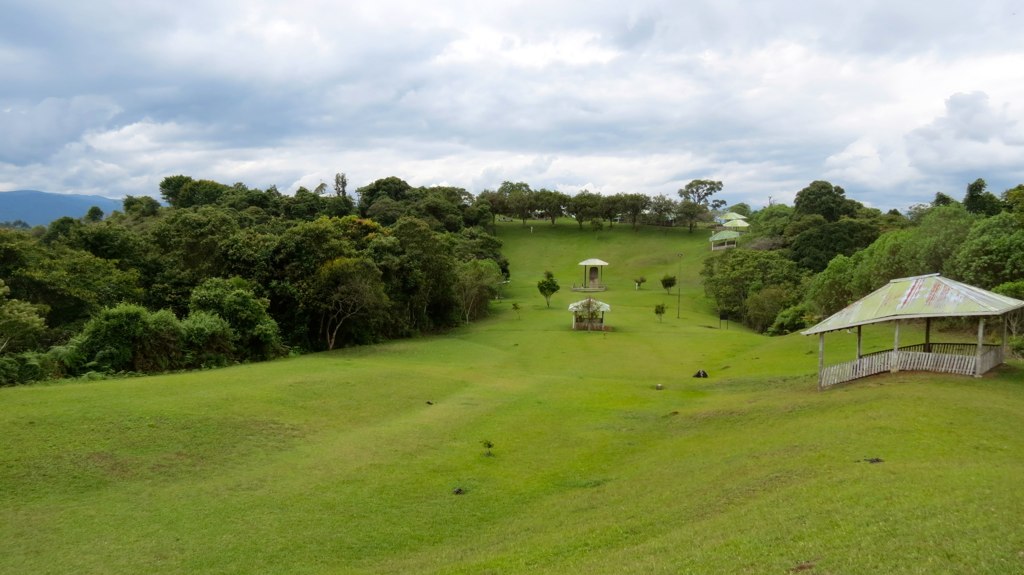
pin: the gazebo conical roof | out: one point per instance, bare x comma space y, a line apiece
918, 297
736, 224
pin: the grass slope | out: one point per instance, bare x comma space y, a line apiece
346, 462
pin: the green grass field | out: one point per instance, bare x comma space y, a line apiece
348, 462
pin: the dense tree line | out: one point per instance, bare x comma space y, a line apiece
224, 274
802, 263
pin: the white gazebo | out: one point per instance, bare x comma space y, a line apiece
921, 297
593, 276
588, 314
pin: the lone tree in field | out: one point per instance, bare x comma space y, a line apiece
659, 310
668, 282
548, 286
639, 281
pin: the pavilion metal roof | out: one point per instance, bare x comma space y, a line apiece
593, 262
724, 235
733, 216
927, 296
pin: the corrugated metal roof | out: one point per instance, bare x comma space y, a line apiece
918, 297
733, 216
593, 262
724, 235
736, 224
589, 304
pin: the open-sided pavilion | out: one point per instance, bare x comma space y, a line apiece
925, 297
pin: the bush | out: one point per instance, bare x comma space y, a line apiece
207, 340
126, 337
28, 367
791, 319
761, 308
1016, 345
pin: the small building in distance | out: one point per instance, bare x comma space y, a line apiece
593, 276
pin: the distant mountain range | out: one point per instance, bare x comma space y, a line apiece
40, 208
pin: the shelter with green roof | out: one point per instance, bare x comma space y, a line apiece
724, 239
925, 297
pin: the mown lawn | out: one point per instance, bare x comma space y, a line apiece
348, 462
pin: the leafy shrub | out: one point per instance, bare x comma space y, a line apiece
791, 319
126, 337
207, 340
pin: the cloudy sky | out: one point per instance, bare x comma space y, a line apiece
894, 100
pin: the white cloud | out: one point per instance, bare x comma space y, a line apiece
617, 98
972, 135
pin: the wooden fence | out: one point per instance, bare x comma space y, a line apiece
958, 358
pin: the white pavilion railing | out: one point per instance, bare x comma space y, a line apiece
958, 358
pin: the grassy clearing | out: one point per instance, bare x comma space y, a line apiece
337, 462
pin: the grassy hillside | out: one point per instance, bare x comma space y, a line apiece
348, 462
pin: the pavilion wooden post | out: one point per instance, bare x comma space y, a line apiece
859, 348
928, 335
821, 358
981, 342
895, 365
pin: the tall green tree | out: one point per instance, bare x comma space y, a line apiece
256, 334
348, 291
633, 206
824, 199
662, 210
992, 254
476, 282
520, 198
21, 324
978, 200
700, 192
732, 276
392, 187
583, 206
551, 203
813, 248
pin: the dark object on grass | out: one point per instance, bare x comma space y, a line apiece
430, 402
700, 373
458, 491
659, 387
874, 460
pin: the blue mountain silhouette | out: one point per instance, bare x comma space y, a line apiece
40, 208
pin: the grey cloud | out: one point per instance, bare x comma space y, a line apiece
972, 135
34, 131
